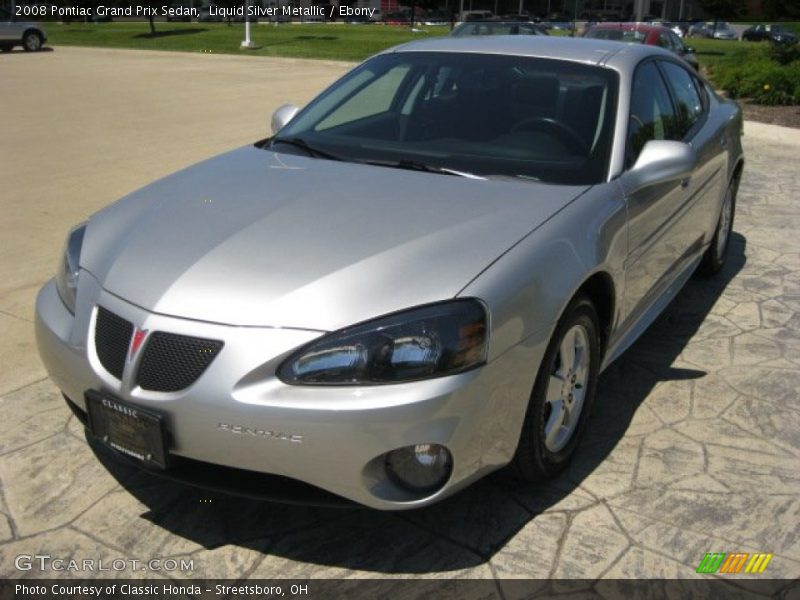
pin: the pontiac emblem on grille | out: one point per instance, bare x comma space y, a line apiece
136, 342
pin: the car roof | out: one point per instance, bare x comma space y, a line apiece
619, 55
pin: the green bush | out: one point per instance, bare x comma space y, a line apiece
761, 78
784, 54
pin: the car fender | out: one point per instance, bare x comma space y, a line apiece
529, 287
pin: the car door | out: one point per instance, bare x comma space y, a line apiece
709, 141
655, 241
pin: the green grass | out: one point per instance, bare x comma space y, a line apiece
325, 41
713, 52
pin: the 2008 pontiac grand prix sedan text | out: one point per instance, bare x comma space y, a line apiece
414, 282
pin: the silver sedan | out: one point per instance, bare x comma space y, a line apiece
414, 282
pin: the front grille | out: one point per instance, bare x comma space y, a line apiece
173, 362
112, 336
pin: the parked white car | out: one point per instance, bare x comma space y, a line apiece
13, 32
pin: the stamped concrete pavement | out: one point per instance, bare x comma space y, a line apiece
693, 446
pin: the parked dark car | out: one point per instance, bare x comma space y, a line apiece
717, 31
772, 33
697, 29
638, 33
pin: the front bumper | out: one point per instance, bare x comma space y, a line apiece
336, 437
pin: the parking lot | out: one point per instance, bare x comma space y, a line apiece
693, 446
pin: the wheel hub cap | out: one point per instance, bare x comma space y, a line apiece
724, 224
566, 389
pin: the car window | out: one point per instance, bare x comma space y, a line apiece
372, 99
677, 44
688, 101
465, 29
652, 114
4, 14
617, 35
664, 41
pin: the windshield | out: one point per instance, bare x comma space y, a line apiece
494, 28
488, 115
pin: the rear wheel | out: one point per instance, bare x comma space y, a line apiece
32, 41
562, 395
714, 258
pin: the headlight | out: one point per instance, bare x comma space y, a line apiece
68, 268
430, 341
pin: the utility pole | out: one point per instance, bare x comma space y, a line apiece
247, 42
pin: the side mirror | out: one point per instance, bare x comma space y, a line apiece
689, 50
660, 161
282, 115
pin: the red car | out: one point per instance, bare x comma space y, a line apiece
643, 33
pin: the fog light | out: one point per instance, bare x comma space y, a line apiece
419, 468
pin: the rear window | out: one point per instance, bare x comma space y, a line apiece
494, 28
618, 35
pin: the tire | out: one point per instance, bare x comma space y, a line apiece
32, 41
549, 438
716, 253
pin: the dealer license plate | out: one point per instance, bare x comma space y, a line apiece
131, 430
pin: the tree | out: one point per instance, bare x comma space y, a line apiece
780, 9
152, 5
723, 9
229, 4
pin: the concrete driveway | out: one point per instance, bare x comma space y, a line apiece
693, 447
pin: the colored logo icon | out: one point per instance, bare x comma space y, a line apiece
734, 563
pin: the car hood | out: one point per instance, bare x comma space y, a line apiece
258, 238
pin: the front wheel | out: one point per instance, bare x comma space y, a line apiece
714, 257
562, 395
32, 41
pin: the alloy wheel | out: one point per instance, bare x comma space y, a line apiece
566, 389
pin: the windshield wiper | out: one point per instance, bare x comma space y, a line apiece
415, 165
303, 145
